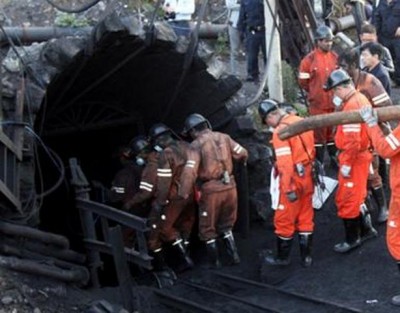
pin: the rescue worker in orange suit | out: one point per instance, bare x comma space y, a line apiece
354, 160
294, 160
314, 70
147, 188
372, 88
388, 146
210, 163
179, 213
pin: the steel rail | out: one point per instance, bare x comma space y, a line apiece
182, 304
286, 292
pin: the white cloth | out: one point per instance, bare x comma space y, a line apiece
233, 12
183, 9
320, 196
274, 189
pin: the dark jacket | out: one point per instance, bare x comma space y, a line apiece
251, 15
387, 18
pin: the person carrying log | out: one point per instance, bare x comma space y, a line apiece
373, 89
354, 160
294, 160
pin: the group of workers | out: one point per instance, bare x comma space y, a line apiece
335, 83
179, 180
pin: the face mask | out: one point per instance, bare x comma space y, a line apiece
337, 101
140, 161
158, 148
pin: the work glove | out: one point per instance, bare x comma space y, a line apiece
369, 115
345, 170
291, 196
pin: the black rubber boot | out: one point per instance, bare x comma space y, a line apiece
231, 249
320, 153
332, 151
380, 198
158, 261
367, 231
212, 254
184, 262
396, 298
284, 246
305, 242
352, 231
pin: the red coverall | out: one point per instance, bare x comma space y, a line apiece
314, 71
179, 213
298, 150
146, 192
211, 155
353, 142
389, 147
372, 88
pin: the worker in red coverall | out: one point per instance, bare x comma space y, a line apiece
178, 214
388, 146
210, 163
314, 70
354, 160
125, 183
294, 159
147, 187
372, 88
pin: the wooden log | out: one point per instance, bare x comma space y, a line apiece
385, 114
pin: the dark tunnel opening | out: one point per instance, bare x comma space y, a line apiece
105, 97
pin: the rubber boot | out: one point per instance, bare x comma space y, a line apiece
284, 246
383, 172
396, 298
158, 261
332, 151
352, 235
367, 231
320, 153
185, 262
231, 249
305, 242
380, 198
212, 254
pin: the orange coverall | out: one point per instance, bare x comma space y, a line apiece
298, 150
389, 147
314, 71
179, 213
210, 157
354, 145
372, 88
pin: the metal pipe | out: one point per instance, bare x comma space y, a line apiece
38, 34
342, 23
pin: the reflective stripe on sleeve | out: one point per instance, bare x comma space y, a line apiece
283, 151
190, 163
146, 186
238, 148
352, 128
161, 172
392, 141
304, 75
